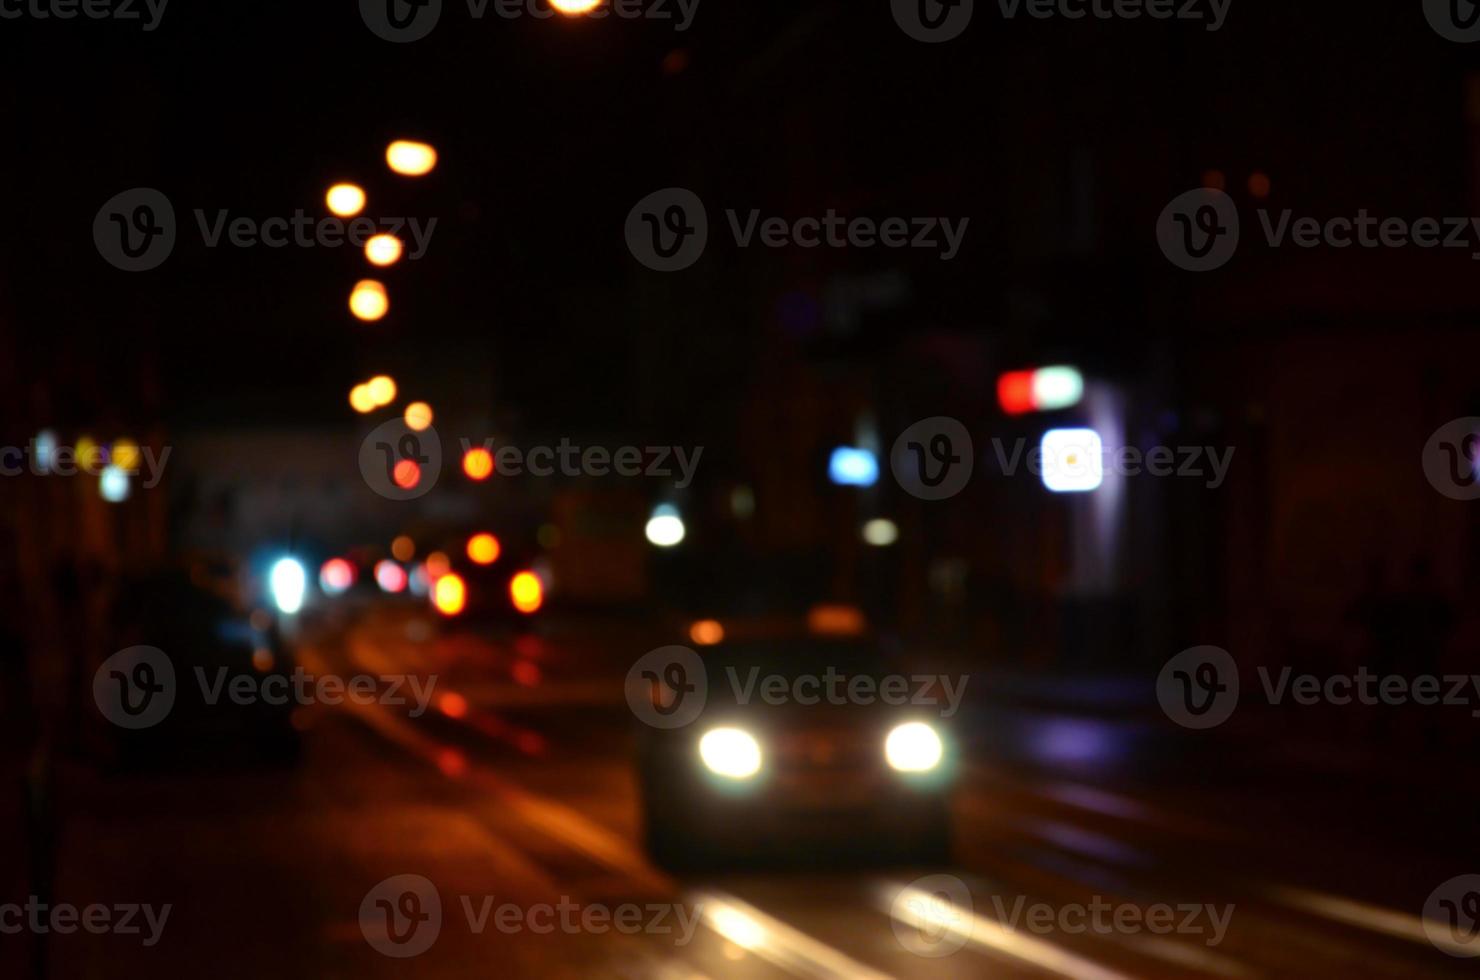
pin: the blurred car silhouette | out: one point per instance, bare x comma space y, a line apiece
195, 613
764, 776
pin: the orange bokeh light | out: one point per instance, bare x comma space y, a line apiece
453, 705
450, 595
527, 592
369, 301
478, 464
438, 564
407, 474
707, 632
483, 549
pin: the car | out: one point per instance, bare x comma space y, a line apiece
192, 611
765, 775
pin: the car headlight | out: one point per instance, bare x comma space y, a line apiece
913, 747
288, 582
730, 752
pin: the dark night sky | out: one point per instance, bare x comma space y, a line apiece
551, 130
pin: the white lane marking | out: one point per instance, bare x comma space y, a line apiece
1373, 918
989, 935
776, 942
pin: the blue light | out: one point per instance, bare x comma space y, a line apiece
289, 582
46, 448
1073, 460
850, 467
113, 485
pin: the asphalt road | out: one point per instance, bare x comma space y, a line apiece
513, 797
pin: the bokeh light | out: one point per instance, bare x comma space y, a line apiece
483, 549
410, 158
527, 592
361, 400
403, 548
390, 576
406, 474
438, 564
707, 632
450, 595
336, 576
478, 464
113, 485
382, 389
345, 200
125, 455
418, 416
369, 301
383, 250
